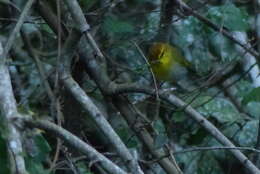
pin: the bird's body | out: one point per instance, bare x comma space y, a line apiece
167, 62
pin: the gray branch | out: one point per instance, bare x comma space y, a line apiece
8, 112
16, 29
89, 106
75, 142
172, 99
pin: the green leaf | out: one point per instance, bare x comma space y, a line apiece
221, 47
127, 137
159, 126
205, 162
197, 136
87, 4
43, 148
178, 117
229, 16
253, 95
197, 100
4, 164
160, 141
247, 135
3, 127
253, 109
189, 36
46, 28
35, 167
221, 109
187, 32
83, 169
243, 86
5, 1
208, 164
112, 26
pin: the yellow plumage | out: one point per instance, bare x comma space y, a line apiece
166, 61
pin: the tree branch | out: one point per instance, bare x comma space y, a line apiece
17, 28
8, 112
86, 102
184, 6
74, 142
172, 99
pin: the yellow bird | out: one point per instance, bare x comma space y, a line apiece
167, 62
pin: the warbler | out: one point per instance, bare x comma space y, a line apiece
167, 62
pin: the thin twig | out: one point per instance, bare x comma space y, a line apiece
227, 86
74, 142
16, 29
195, 149
56, 85
198, 149
172, 99
215, 27
150, 69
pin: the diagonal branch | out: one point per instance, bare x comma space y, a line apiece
75, 142
17, 28
122, 150
167, 11
98, 73
172, 99
86, 102
184, 6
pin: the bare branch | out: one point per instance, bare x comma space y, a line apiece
184, 6
75, 142
196, 149
17, 28
9, 111
89, 106
172, 99
248, 60
132, 118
